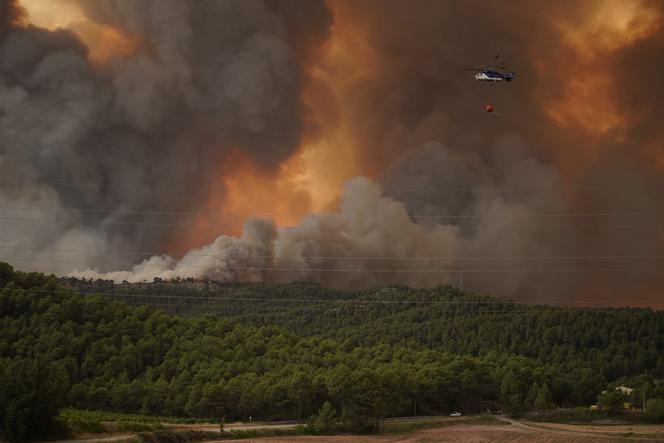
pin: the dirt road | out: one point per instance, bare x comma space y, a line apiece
625, 433
120, 437
125, 436
460, 433
516, 432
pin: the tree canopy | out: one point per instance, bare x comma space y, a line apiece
358, 356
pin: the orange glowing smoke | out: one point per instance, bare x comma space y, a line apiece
246, 190
584, 102
103, 42
312, 179
252, 191
52, 14
329, 151
655, 150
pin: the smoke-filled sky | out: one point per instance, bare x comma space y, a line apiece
339, 142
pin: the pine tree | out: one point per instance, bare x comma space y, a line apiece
529, 402
511, 394
325, 420
543, 400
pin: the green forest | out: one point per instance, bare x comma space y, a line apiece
295, 351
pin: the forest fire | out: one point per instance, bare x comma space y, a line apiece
589, 63
104, 42
278, 116
246, 190
311, 211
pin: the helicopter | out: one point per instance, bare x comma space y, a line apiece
491, 72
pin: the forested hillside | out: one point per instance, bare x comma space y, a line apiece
371, 354
613, 342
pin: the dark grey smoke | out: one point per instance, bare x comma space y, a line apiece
418, 93
150, 131
10, 15
376, 239
211, 75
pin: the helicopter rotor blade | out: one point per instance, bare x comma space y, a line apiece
475, 67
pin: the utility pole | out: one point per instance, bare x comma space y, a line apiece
644, 400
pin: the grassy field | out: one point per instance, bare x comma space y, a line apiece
152, 429
105, 416
155, 429
81, 422
186, 436
586, 416
415, 425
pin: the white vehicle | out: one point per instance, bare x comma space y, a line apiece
455, 414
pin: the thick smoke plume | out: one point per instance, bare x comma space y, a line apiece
558, 197
374, 239
149, 131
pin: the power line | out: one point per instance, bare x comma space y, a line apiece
295, 215
123, 212
291, 228
95, 222
331, 270
541, 304
492, 188
207, 307
385, 189
573, 214
342, 257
